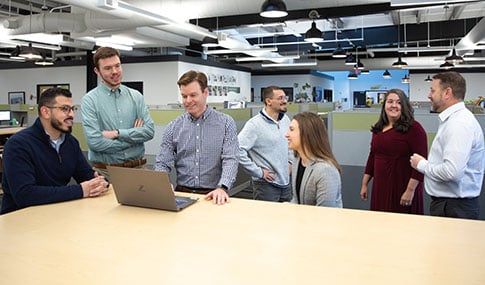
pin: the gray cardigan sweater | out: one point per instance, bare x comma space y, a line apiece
320, 186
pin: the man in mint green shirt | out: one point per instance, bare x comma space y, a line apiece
115, 118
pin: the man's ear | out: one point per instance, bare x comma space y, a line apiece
44, 112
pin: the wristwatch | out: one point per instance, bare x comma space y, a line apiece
223, 187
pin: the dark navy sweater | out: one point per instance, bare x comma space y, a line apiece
34, 173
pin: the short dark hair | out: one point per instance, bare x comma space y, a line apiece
407, 114
191, 76
49, 96
104, 52
455, 81
268, 92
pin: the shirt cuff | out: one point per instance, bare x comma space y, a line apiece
422, 165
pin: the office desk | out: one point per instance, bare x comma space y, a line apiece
10, 131
97, 241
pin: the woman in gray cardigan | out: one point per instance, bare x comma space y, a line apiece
315, 171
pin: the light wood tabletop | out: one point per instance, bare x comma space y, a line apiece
10, 131
98, 241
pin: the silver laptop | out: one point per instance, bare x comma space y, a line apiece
146, 188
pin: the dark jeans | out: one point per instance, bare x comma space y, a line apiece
265, 191
465, 208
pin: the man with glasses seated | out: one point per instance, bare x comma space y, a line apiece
39, 161
263, 148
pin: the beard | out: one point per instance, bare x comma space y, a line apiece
56, 124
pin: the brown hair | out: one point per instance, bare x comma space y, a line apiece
406, 119
104, 52
455, 81
314, 138
268, 92
191, 76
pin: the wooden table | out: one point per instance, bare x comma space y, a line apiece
97, 241
10, 131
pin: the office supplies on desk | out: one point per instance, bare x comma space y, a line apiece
146, 188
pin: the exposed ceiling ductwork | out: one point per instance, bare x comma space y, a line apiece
368, 27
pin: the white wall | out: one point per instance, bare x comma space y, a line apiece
419, 89
159, 81
26, 79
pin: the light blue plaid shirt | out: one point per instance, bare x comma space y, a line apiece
204, 151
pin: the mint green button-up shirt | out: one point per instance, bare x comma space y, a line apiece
105, 109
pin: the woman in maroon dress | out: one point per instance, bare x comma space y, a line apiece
397, 187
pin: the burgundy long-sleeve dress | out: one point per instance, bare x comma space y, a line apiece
388, 164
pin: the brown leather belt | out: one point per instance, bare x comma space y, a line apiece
130, 164
192, 190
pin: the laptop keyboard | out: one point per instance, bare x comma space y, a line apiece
179, 201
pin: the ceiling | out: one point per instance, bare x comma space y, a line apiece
374, 30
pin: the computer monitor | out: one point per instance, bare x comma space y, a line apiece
5, 116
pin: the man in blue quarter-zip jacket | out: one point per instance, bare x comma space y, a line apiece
39, 162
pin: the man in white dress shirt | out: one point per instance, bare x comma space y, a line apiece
453, 173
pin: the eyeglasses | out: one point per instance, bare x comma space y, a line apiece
66, 109
281, 98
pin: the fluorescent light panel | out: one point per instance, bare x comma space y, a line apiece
311, 63
164, 20
225, 51
256, 58
40, 38
113, 45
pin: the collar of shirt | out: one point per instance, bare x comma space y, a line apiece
450, 110
111, 91
204, 116
56, 144
265, 115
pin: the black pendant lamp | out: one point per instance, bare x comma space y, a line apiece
313, 34
454, 58
273, 9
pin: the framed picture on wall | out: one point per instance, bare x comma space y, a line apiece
43, 87
16, 97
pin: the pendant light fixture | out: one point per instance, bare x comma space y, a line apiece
364, 71
339, 52
15, 54
30, 54
405, 79
273, 9
428, 79
386, 74
359, 65
447, 65
352, 75
350, 60
399, 63
454, 58
44, 62
210, 41
313, 35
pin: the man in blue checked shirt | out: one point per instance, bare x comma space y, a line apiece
202, 144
